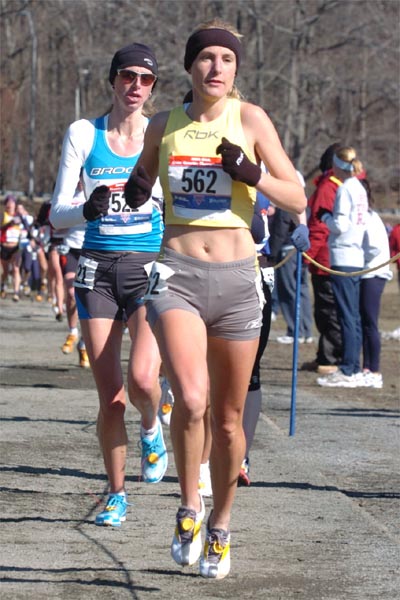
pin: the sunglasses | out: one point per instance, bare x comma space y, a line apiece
129, 76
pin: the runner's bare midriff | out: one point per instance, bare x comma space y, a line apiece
211, 244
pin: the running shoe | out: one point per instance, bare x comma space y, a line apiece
83, 358
154, 456
373, 380
215, 561
114, 513
186, 543
205, 487
3, 294
166, 402
69, 343
15, 298
338, 379
285, 339
244, 474
306, 340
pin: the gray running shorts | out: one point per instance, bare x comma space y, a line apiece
227, 296
111, 285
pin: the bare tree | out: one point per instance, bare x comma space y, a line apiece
323, 69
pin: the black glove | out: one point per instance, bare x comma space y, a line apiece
321, 212
98, 203
300, 238
138, 188
237, 165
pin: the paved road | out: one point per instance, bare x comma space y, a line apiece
319, 522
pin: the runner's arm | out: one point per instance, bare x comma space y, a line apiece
78, 141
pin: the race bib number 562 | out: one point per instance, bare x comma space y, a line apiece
199, 187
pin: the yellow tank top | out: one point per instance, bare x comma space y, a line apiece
196, 189
11, 234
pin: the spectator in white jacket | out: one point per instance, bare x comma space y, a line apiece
347, 225
376, 253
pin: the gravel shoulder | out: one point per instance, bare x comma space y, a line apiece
319, 522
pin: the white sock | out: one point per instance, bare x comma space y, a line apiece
150, 434
123, 494
74, 331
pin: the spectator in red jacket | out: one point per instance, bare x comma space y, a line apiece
329, 351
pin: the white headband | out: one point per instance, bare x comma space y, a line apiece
345, 166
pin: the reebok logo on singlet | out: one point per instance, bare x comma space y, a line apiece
192, 134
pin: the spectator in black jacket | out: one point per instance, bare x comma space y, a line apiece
280, 242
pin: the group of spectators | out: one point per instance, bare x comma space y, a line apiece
348, 261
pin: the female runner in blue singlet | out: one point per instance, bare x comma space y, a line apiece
111, 277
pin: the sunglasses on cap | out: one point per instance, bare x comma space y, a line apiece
129, 76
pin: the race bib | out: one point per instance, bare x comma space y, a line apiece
121, 218
200, 188
268, 274
260, 293
158, 273
85, 273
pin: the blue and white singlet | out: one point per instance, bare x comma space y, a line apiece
123, 228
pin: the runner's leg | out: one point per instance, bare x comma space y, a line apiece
103, 338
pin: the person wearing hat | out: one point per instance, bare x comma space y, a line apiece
204, 297
347, 223
111, 277
330, 347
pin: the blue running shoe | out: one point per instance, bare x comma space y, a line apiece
154, 456
114, 513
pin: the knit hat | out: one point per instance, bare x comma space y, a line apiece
134, 55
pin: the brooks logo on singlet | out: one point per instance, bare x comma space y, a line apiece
192, 134
96, 171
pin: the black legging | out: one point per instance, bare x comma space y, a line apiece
264, 335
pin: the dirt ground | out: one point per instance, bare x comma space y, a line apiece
319, 522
